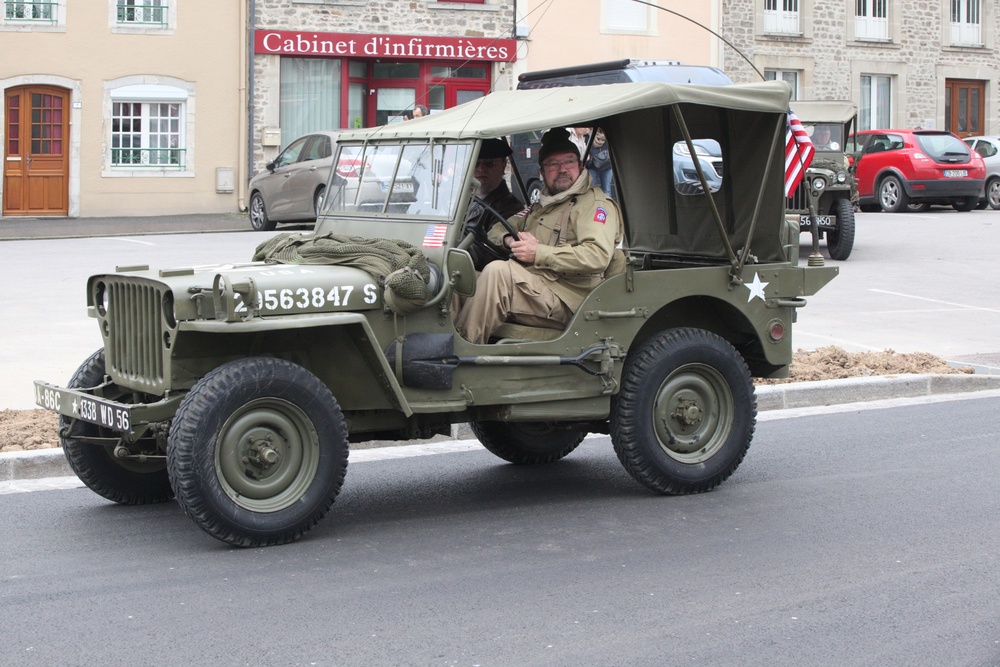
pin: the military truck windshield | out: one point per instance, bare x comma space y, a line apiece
399, 178
826, 136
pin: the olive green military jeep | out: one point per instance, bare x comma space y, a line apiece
828, 194
237, 389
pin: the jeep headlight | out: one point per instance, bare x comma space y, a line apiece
819, 184
841, 177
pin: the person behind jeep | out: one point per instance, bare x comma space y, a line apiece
565, 244
493, 189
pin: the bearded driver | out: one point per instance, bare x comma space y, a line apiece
565, 244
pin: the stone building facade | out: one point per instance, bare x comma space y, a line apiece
329, 64
906, 63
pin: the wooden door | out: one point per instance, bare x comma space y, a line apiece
964, 106
36, 151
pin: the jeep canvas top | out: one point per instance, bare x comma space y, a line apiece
237, 389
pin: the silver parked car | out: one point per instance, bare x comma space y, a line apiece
989, 149
291, 189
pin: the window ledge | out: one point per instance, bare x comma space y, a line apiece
462, 6
13, 26
120, 29
798, 37
875, 43
978, 48
125, 172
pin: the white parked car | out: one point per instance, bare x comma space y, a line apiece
989, 149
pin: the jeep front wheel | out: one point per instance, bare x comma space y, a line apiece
527, 443
891, 195
124, 481
840, 241
686, 412
257, 452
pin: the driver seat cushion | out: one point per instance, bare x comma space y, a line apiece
513, 332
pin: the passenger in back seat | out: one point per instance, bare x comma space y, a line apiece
566, 242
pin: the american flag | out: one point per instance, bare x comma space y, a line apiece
798, 153
434, 238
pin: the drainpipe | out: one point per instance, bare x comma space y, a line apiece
248, 78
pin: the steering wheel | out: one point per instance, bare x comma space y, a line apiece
480, 213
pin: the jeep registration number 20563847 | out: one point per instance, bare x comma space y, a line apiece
303, 298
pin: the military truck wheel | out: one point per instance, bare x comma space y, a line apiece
840, 241
891, 195
257, 452
686, 412
123, 481
527, 443
258, 214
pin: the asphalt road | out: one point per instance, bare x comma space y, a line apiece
865, 537
914, 283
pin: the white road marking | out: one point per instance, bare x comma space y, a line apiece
946, 303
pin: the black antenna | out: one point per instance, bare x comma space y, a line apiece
724, 40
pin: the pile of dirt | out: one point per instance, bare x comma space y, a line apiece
36, 429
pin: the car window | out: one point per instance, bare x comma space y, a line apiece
291, 154
984, 148
942, 145
878, 143
315, 149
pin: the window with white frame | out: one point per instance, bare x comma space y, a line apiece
782, 17
967, 22
625, 16
148, 128
875, 110
791, 77
142, 12
31, 12
871, 19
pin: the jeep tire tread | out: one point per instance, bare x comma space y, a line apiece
527, 443
257, 452
686, 412
121, 480
840, 241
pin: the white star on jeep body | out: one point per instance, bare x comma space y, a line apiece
76, 407
756, 288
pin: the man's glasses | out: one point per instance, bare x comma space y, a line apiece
553, 165
488, 163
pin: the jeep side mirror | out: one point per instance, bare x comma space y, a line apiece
460, 271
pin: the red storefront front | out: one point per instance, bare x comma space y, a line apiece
339, 80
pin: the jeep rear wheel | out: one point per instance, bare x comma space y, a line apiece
686, 412
257, 452
527, 443
840, 241
124, 481
891, 195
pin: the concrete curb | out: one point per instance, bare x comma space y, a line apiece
42, 463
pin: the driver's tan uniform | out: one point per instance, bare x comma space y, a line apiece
577, 231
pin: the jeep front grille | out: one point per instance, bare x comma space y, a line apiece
134, 332
799, 201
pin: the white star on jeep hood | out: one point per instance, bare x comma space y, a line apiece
756, 288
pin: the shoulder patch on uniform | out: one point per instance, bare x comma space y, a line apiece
600, 215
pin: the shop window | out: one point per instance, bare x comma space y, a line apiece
310, 96
150, 131
397, 70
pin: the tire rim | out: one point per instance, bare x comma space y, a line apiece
257, 211
890, 195
994, 194
267, 455
693, 413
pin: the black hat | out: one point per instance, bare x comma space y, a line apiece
557, 141
494, 148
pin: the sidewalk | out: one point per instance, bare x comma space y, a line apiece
22, 229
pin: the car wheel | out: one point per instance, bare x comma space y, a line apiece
993, 193
258, 214
870, 208
966, 204
124, 481
527, 443
891, 195
918, 207
684, 417
318, 202
257, 452
840, 241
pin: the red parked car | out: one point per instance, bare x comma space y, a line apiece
906, 170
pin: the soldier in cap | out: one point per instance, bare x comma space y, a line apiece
565, 244
493, 190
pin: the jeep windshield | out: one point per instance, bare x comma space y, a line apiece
398, 178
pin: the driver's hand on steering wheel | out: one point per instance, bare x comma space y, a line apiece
524, 249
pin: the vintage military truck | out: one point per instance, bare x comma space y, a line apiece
237, 389
828, 194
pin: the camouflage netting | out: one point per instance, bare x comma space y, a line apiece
398, 265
